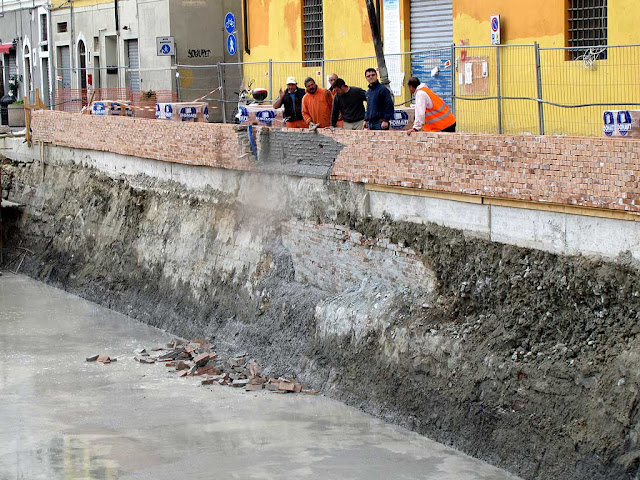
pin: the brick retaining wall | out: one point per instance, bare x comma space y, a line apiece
589, 172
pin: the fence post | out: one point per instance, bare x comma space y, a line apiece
178, 82
271, 80
223, 104
323, 76
53, 88
499, 88
539, 85
453, 78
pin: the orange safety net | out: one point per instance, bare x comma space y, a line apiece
143, 104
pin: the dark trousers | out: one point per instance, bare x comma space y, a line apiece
451, 128
377, 125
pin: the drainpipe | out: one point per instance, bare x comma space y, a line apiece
115, 4
52, 58
72, 42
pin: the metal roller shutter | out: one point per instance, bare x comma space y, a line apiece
134, 64
431, 23
432, 36
13, 64
65, 58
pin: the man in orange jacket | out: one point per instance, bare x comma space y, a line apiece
316, 105
432, 113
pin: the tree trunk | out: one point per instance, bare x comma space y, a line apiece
377, 44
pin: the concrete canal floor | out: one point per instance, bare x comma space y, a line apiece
64, 418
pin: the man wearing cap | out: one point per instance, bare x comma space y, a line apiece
432, 113
292, 101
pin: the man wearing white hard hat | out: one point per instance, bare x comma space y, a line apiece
291, 98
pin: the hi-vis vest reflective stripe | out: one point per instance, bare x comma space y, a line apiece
440, 116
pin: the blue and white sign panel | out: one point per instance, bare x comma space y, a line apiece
230, 23
621, 123
98, 108
266, 116
232, 44
399, 120
166, 46
624, 122
609, 123
188, 114
242, 115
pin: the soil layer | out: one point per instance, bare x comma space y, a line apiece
525, 359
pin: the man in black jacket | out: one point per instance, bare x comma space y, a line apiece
350, 102
379, 103
292, 101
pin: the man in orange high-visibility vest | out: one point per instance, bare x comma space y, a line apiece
432, 113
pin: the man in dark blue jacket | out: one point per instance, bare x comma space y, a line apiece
379, 103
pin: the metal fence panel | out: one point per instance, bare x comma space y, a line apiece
512, 89
476, 86
578, 91
201, 83
351, 70
518, 89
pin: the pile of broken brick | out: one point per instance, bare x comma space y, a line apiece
196, 358
101, 359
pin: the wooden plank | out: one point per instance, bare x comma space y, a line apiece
417, 192
560, 208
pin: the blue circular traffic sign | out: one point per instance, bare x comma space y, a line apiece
232, 44
494, 24
230, 23
165, 49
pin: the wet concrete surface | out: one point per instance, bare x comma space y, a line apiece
65, 418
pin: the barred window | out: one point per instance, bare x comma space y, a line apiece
313, 33
587, 20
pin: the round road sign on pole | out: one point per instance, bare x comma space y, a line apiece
230, 23
232, 44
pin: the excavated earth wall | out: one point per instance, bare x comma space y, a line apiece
523, 358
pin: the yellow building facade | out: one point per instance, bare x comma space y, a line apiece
496, 87
610, 82
275, 32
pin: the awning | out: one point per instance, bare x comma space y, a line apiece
5, 47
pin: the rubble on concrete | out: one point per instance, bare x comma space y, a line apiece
197, 359
101, 359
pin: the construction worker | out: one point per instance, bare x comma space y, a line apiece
432, 113
292, 101
316, 105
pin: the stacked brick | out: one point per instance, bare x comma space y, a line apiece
335, 259
188, 143
589, 172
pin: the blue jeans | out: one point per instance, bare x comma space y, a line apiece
377, 125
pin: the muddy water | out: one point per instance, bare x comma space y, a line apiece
64, 418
